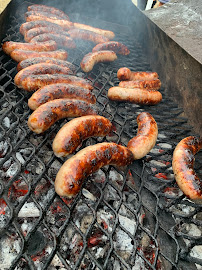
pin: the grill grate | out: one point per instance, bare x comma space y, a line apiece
132, 219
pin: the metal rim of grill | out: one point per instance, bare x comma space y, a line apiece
145, 194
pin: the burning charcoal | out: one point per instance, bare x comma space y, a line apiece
105, 218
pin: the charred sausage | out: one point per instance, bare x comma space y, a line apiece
9, 46
125, 74
47, 114
115, 46
106, 33
20, 55
63, 23
49, 9
42, 68
87, 35
153, 84
60, 90
91, 59
61, 40
32, 61
71, 135
146, 136
42, 13
25, 27
30, 34
87, 161
183, 162
35, 82
135, 95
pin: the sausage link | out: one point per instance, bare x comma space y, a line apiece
25, 27
71, 135
42, 13
63, 23
9, 46
49, 9
30, 34
106, 33
47, 114
115, 46
153, 84
125, 74
35, 82
60, 90
146, 136
61, 40
87, 161
91, 59
135, 95
183, 167
32, 61
20, 55
42, 68
87, 35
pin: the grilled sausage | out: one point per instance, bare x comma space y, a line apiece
30, 34
125, 74
106, 33
115, 46
20, 55
71, 135
183, 162
49, 9
63, 23
42, 68
25, 27
146, 136
87, 35
10, 46
91, 59
61, 40
153, 84
60, 90
35, 82
42, 13
47, 114
87, 161
135, 95
32, 61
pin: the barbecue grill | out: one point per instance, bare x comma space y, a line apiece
132, 219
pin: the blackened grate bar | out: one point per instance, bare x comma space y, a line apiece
132, 219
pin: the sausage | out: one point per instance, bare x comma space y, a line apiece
87, 35
25, 27
30, 34
183, 167
106, 33
42, 68
87, 161
19, 55
153, 84
49, 9
32, 61
125, 74
42, 13
10, 46
60, 90
146, 136
115, 46
47, 114
63, 23
34, 82
61, 40
135, 95
91, 59
71, 135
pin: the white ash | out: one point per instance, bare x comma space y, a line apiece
88, 195
139, 264
6, 122
196, 252
192, 230
100, 252
3, 218
162, 136
111, 194
26, 227
85, 223
106, 216
123, 241
20, 158
156, 163
128, 224
13, 169
29, 210
99, 176
45, 197
115, 176
3, 147
165, 145
154, 151
56, 264
116, 265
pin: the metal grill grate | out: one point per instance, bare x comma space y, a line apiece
132, 219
